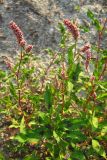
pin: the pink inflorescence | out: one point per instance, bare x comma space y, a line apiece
29, 48
72, 28
92, 78
94, 95
22, 43
86, 50
17, 31
19, 35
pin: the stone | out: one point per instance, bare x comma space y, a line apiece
39, 21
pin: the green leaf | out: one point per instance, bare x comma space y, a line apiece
2, 74
42, 115
77, 8
70, 55
97, 147
61, 28
102, 96
30, 157
77, 72
56, 136
104, 88
97, 24
104, 52
104, 131
22, 126
78, 155
2, 156
12, 90
85, 28
69, 86
14, 124
76, 136
33, 135
63, 35
90, 14
95, 122
48, 96
33, 139
20, 138
73, 69
95, 21
49, 51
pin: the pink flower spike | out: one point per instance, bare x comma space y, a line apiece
94, 95
85, 48
92, 78
29, 48
17, 31
86, 64
88, 55
22, 43
72, 28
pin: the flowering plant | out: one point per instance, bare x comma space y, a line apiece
56, 112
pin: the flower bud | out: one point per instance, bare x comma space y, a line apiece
94, 95
92, 78
88, 55
29, 48
85, 48
86, 64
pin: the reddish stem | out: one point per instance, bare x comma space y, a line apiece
46, 72
104, 69
18, 72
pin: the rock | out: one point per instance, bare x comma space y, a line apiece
39, 19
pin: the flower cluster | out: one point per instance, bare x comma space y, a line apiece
72, 28
86, 49
19, 35
29, 48
17, 31
92, 78
94, 95
8, 62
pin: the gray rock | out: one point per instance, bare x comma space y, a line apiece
38, 20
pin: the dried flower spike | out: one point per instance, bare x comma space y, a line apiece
72, 28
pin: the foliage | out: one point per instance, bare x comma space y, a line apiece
58, 111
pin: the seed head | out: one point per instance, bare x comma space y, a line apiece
72, 28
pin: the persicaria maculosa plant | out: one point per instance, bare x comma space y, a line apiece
56, 111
